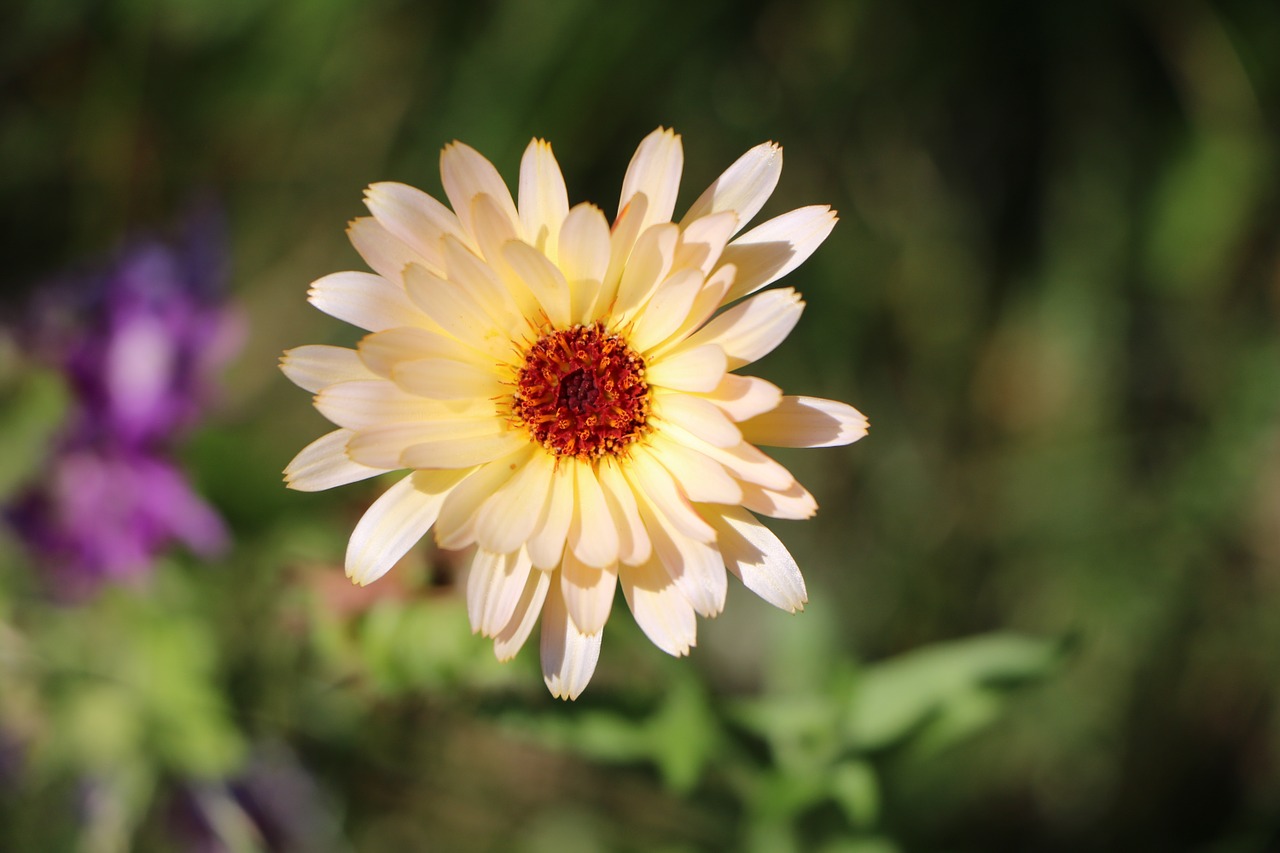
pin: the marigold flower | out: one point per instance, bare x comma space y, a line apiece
565, 395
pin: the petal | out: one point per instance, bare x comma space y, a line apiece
386, 254
695, 567
324, 463
495, 586
700, 477
792, 502
622, 239
588, 593
383, 445
464, 452
709, 298
652, 482
492, 293
633, 541
507, 518
806, 422
415, 218
659, 607
703, 241
689, 369
750, 330
696, 415
382, 351
743, 397
768, 252
655, 171
747, 463
447, 379
456, 527
584, 244
395, 522
753, 553
544, 201
648, 267
546, 545
370, 403
543, 279
666, 310
365, 300
744, 187
316, 366
466, 174
458, 313
523, 617
592, 534
568, 655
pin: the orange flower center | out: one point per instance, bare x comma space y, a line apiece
582, 393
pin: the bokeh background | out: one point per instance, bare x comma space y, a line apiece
1045, 591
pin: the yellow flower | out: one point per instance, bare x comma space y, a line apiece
564, 394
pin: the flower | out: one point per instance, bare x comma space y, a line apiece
565, 395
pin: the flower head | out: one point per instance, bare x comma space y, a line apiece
564, 394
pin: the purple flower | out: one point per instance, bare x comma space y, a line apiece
139, 343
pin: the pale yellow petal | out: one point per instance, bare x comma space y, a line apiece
382, 351
652, 482
584, 244
543, 279
633, 540
693, 369
395, 522
666, 310
750, 330
704, 305
588, 592
655, 171
386, 254
622, 239
414, 217
546, 545
455, 309
544, 201
695, 567
365, 300
495, 585
703, 240
568, 655
792, 502
372, 402
700, 477
505, 521
448, 379
383, 445
649, 264
524, 616
466, 174
743, 461
743, 397
659, 607
456, 527
806, 422
593, 537
744, 187
696, 415
463, 452
324, 463
317, 366
759, 559
768, 252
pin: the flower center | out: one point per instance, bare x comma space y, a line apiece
582, 393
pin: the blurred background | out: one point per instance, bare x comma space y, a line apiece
1044, 592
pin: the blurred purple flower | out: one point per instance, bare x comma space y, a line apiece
140, 343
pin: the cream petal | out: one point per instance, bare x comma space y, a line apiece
506, 520
456, 527
386, 254
495, 585
447, 379
492, 228
382, 446
655, 171
588, 593
759, 559
324, 463
633, 540
793, 502
568, 655
316, 366
652, 482
458, 313
689, 369
649, 264
592, 535
806, 422
695, 567
524, 616
466, 174
771, 250
463, 452
744, 397
705, 304
750, 330
743, 461
697, 416
744, 187
622, 239
659, 607
543, 279
414, 217
666, 310
395, 522
382, 351
544, 201
365, 300
584, 244
372, 402
546, 545
703, 240
700, 477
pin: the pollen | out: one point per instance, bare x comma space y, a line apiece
581, 392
